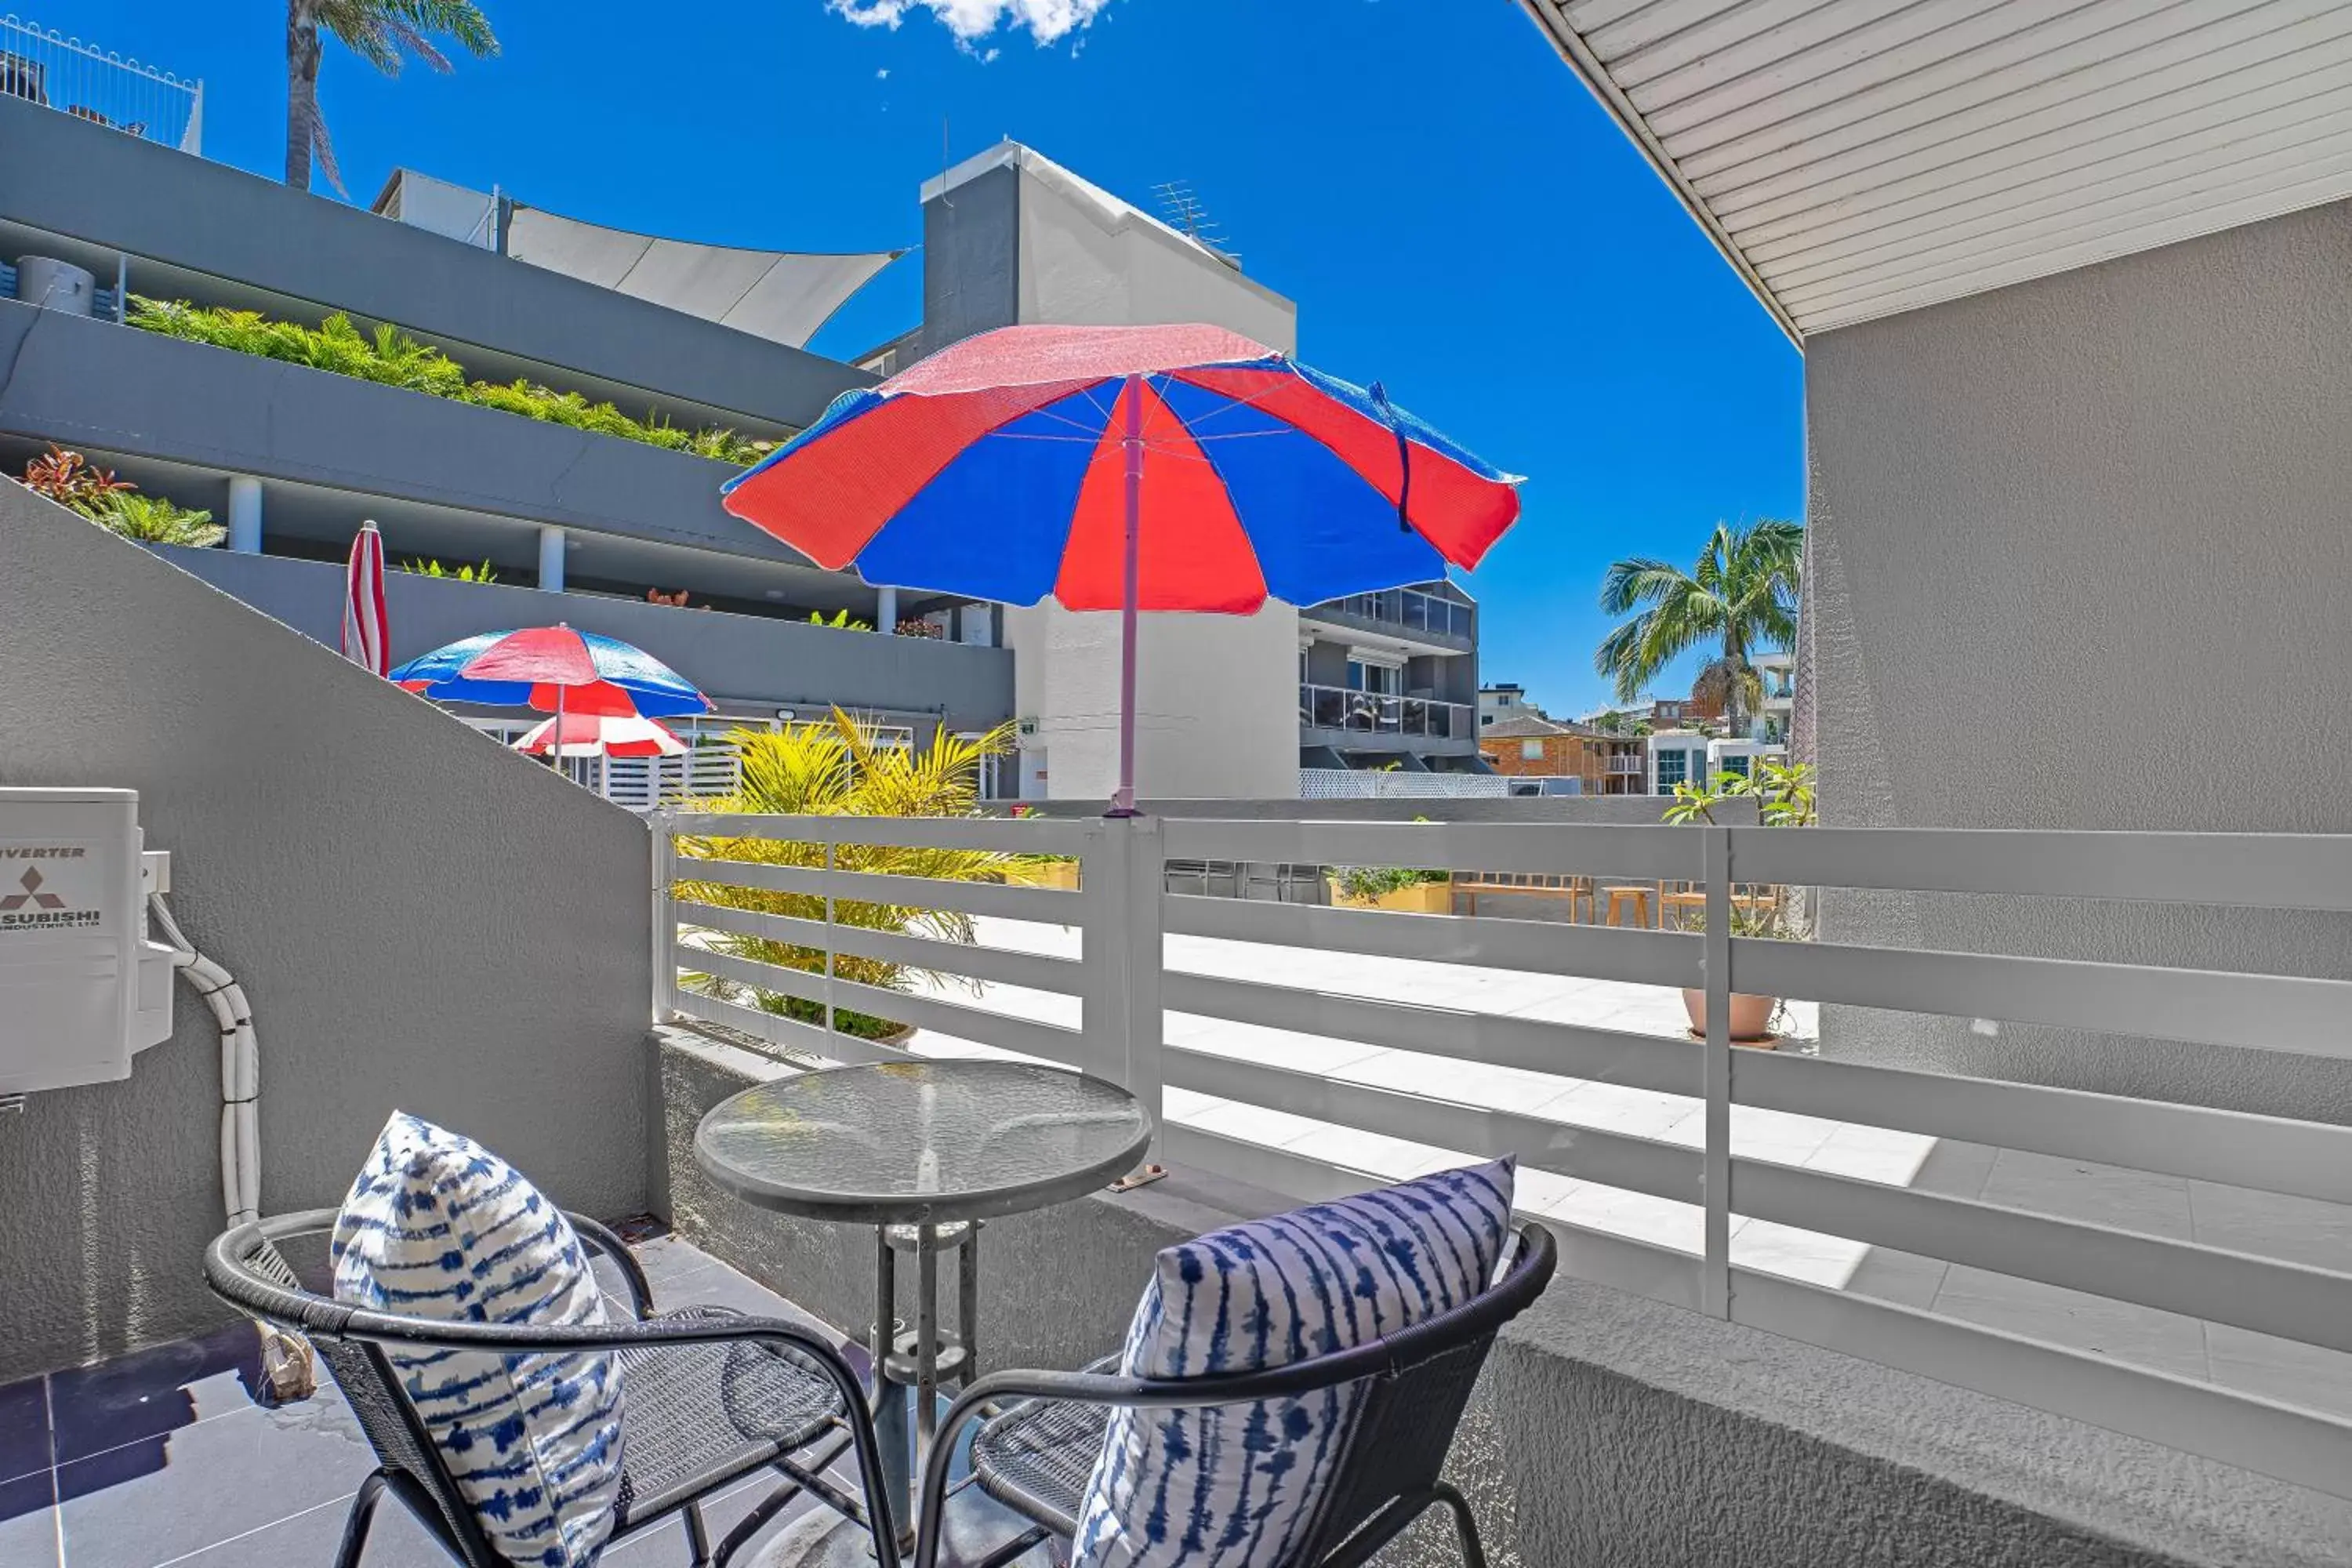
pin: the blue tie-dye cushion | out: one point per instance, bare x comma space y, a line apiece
438, 1227
1236, 1485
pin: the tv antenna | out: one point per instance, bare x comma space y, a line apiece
1181, 209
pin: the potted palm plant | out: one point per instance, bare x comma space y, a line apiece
836, 769
1783, 792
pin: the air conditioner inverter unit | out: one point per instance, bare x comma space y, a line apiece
81, 988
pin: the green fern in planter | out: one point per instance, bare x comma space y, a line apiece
151, 520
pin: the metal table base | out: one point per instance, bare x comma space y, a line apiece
920, 1359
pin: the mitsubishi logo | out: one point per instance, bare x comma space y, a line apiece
31, 894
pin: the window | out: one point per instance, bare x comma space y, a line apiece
1531, 750
1736, 765
1382, 680
1674, 768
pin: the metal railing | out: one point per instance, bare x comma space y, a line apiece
89, 83
1121, 978
1378, 713
1406, 607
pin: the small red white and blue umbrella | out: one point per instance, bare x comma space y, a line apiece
1130, 468
365, 641
555, 670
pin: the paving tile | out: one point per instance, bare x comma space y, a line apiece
1612, 1107
2284, 1370
1251, 1123
28, 1521
24, 1428
1280, 1047
1392, 1159
141, 1396
1462, 1082
1635, 1215
2270, 1224
309, 1539
2083, 1190
1759, 1134
1793, 1254
148, 1502
1905, 1279
1955, 1169
1872, 1154
2139, 1335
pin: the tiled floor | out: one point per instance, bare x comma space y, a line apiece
2259, 1223
163, 1459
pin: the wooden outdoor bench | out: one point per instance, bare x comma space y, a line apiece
1470, 884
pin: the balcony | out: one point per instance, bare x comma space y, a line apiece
1403, 613
1348, 713
223, 237
751, 664
2045, 1307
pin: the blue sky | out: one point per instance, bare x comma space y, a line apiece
1453, 214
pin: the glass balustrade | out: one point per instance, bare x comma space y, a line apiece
1380, 713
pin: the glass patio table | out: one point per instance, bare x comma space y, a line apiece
923, 1152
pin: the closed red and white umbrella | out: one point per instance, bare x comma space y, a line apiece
365, 641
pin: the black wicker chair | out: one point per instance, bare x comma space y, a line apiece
712, 1395
1035, 1458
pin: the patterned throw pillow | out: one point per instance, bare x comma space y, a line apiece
438, 1226
1237, 1485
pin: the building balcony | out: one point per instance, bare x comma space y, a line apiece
125, 395
1427, 620
751, 665
190, 228
1347, 719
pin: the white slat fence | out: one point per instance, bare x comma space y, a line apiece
1123, 913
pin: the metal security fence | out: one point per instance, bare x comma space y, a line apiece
64, 73
1121, 985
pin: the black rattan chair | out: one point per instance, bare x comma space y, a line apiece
1036, 1457
712, 1395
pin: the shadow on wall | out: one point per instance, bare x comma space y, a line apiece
421, 919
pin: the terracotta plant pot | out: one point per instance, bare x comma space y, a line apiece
1751, 1017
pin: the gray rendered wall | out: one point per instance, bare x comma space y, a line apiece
421, 920
971, 259
2078, 560
746, 660
127, 194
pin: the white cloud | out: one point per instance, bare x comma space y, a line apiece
882, 75
1047, 21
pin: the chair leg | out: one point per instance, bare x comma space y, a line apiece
697, 1535
1473, 1555
356, 1523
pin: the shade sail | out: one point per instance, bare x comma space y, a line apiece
780, 295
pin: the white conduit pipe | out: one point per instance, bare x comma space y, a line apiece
240, 1136
287, 1359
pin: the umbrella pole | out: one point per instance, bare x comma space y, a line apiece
1122, 803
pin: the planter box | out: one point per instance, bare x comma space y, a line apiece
1416, 899
1061, 874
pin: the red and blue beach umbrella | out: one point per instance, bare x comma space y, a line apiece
1169, 467
555, 670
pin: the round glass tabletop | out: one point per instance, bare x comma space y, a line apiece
921, 1143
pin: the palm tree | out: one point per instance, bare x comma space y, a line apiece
377, 31
1743, 591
